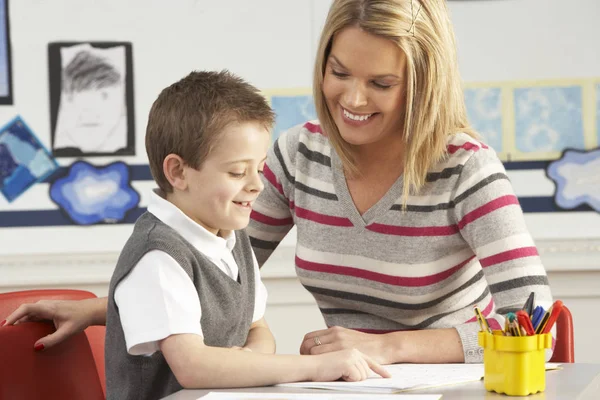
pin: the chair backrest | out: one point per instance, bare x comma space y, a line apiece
564, 348
95, 334
66, 371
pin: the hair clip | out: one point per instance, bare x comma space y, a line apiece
414, 17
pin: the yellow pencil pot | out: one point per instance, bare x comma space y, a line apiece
514, 365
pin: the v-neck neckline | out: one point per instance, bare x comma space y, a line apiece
376, 210
238, 281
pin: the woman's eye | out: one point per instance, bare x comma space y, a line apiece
339, 74
381, 85
236, 175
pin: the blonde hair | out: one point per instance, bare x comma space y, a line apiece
435, 107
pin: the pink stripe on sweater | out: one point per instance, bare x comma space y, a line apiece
495, 325
313, 128
265, 219
272, 179
509, 255
377, 277
414, 230
452, 148
488, 208
322, 218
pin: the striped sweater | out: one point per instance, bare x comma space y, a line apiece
462, 240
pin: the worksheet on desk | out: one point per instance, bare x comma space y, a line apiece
408, 377
314, 396
404, 377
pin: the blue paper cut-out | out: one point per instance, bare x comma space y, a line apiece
484, 108
291, 111
577, 178
23, 159
90, 195
548, 119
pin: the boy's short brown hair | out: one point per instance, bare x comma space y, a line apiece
188, 116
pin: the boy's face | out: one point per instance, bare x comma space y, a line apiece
220, 195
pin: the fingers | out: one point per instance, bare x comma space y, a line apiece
26, 318
376, 367
53, 339
311, 335
325, 348
308, 344
25, 312
353, 374
364, 368
17, 314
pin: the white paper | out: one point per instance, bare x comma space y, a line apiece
310, 396
93, 120
408, 377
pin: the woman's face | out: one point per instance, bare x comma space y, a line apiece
364, 86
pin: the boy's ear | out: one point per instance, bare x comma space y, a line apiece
174, 170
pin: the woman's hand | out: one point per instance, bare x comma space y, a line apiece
338, 338
69, 317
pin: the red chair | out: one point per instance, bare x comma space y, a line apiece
95, 334
66, 371
564, 348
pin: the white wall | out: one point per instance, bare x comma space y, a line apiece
271, 43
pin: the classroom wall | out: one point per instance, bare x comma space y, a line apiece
272, 43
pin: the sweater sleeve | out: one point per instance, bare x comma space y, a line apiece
272, 216
491, 221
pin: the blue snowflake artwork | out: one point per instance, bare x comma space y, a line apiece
484, 108
90, 195
577, 178
23, 159
291, 111
548, 119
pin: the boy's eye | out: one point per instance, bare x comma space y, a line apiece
237, 174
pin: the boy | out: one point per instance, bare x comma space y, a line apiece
186, 294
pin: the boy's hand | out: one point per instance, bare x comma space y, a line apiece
350, 365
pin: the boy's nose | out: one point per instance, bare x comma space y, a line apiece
256, 184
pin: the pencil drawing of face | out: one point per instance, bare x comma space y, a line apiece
92, 113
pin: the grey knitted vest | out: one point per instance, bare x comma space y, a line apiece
227, 308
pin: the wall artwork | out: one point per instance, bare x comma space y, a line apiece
6, 89
90, 195
548, 119
484, 109
23, 159
291, 109
91, 99
577, 178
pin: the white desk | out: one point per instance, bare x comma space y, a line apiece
573, 382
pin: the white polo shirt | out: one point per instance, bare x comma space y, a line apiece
158, 299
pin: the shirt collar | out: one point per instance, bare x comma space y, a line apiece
204, 241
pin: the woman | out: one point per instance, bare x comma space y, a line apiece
405, 221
